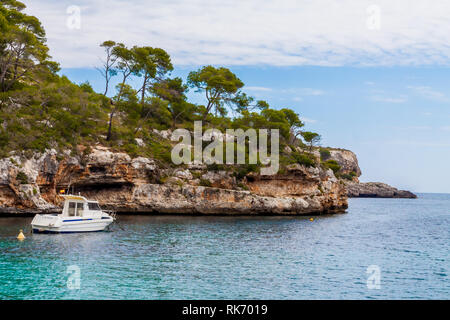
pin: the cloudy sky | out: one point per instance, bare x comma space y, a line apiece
243, 32
370, 76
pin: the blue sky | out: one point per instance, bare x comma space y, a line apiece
377, 87
396, 119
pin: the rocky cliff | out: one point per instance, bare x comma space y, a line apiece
349, 165
347, 160
141, 185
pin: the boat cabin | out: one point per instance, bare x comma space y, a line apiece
79, 206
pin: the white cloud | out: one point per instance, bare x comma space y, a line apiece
258, 89
298, 94
308, 120
400, 99
304, 91
428, 93
311, 92
414, 143
252, 32
415, 128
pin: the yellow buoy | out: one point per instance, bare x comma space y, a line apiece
311, 219
21, 235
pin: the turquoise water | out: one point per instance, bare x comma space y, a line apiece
167, 257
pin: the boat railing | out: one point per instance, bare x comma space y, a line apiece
111, 213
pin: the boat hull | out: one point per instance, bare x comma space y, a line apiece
85, 225
41, 231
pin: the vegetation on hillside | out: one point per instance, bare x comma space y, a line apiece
40, 109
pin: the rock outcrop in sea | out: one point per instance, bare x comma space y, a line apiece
356, 189
375, 190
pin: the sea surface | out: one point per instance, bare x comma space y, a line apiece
379, 249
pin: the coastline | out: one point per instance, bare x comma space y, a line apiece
376, 190
142, 186
135, 185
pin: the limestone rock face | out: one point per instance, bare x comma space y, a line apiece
184, 174
347, 160
219, 179
139, 185
204, 200
103, 156
319, 188
24, 196
166, 134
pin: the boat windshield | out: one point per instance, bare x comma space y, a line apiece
94, 206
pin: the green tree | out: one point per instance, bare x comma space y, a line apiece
126, 66
284, 120
277, 120
311, 138
107, 71
295, 124
244, 102
174, 92
151, 64
221, 87
22, 46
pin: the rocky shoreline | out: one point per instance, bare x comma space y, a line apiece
142, 186
376, 190
129, 185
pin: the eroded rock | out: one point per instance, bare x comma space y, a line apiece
376, 190
136, 185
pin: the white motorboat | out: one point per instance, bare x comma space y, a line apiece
78, 215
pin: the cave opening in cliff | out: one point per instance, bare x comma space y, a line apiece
99, 187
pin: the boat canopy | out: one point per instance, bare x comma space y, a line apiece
73, 197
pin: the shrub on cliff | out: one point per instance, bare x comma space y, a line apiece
22, 178
302, 158
333, 165
325, 154
348, 176
205, 183
217, 167
241, 171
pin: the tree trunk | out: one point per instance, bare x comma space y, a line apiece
144, 85
107, 84
108, 137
